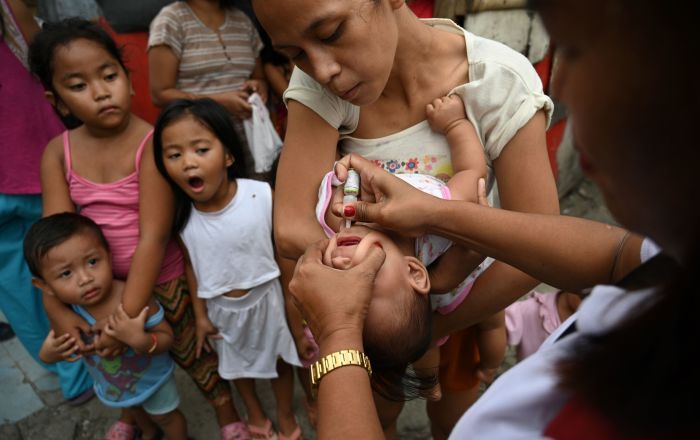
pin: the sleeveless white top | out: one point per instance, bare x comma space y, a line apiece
232, 249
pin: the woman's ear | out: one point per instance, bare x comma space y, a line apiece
229, 159
418, 275
396, 4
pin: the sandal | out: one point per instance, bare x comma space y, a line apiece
235, 431
121, 431
264, 432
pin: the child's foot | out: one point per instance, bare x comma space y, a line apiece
263, 432
121, 431
235, 431
288, 427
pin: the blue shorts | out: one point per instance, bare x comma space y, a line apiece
164, 400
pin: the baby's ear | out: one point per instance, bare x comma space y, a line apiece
418, 275
41, 285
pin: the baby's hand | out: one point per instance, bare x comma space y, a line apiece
124, 328
306, 346
64, 347
204, 329
445, 113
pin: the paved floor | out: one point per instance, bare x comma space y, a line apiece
31, 405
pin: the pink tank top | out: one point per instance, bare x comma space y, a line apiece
115, 207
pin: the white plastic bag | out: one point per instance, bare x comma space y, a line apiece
263, 140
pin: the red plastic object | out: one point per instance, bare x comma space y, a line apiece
422, 8
556, 131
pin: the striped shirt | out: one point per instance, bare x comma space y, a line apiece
114, 206
210, 61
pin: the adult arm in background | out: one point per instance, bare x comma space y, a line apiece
308, 153
163, 65
566, 252
334, 303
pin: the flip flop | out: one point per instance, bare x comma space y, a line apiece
235, 431
121, 431
264, 432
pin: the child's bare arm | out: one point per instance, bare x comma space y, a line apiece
491, 340
203, 326
156, 210
446, 115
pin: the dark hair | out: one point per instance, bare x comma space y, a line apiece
641, 375
51, 231
395, 345
216, 119
55, 35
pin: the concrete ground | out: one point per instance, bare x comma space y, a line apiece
31, 405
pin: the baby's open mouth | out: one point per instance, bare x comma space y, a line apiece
195, 182
348, 241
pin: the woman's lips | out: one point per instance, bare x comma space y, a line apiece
347, 96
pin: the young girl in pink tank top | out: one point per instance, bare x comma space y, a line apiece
105, 170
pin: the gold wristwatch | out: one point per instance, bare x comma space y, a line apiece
335, 360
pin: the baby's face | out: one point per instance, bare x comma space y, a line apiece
350, 247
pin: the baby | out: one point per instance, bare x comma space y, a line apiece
69, 258
418, 275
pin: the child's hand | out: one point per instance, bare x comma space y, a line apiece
204, 329
236, 103
124, 328
486, 374
74, 325
64, 347
445, 113
256, 86
306, 346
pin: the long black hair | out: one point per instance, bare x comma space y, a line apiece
60, 34
217, 120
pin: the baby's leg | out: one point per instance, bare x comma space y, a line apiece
172, 424
148, 428
567, 304
491, 340
428, 366
283, 388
